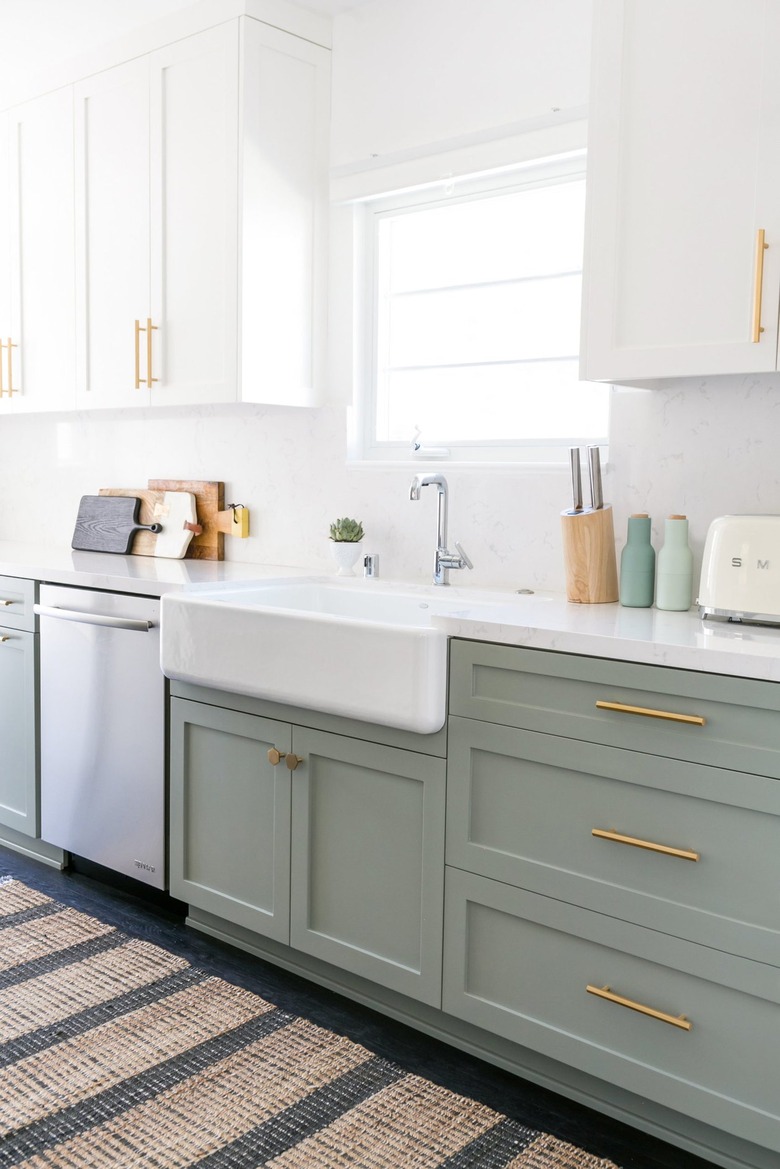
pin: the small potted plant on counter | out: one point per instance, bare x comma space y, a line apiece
346, 535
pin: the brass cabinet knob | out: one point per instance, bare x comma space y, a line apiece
275, 756
293, 761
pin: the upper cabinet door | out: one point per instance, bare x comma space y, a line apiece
683, 173
194, 217
112, 237
42, 263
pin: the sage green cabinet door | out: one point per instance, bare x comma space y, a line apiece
230, 816
367, 860
19, 731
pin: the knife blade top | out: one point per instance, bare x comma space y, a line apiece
594, 468
576, 478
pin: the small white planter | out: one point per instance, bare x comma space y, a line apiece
346, 555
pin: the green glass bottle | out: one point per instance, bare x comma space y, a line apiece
675, 567
637, 564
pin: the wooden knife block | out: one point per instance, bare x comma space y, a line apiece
589, 556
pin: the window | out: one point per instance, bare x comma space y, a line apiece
476, 316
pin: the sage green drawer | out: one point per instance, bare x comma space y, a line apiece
519, 965
522, 808
17, 597
739, 725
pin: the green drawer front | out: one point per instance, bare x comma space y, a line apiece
522, 807
558, 693
519, 965
17, 597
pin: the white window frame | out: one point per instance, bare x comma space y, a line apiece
362, 445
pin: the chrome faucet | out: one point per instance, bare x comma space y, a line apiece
444, 559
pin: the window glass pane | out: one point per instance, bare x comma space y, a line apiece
503, 322
535, 402
501, 237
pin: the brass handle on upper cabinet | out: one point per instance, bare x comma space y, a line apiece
9, 388
292, 761
667, 850
603, 992
695, 720
758, 285
275, 757
148, 328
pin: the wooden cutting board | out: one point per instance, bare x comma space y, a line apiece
210, 499
172, 509
107, 525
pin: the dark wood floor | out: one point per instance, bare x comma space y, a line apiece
87, 888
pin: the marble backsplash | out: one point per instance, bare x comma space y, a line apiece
699, 447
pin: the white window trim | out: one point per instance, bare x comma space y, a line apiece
363, 450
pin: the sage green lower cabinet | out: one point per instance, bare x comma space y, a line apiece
367, 860
616, 1000
230, 816
19, 784
341, 857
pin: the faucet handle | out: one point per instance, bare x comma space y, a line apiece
464, 557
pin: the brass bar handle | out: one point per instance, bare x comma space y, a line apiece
5, 637
6, 601
603, 992
667, 850
10, 345
149, 329
695, 720
758, 286
138, 355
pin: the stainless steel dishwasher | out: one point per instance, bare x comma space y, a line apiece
103, 729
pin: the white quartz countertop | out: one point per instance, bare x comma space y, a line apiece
539, 621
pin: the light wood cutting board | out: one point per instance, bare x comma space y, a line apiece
172, 509
210, 499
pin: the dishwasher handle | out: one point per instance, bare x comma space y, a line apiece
93, 618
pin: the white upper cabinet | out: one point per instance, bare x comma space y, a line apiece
36, 238
683, 175
200, 172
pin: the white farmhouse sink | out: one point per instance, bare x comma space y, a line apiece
348, 648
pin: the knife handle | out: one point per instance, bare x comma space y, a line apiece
594, 468
576, 478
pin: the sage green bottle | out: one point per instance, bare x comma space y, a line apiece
637, 564
674, 586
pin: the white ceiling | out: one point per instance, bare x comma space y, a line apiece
35, 34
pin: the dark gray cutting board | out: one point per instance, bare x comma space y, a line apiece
108, 523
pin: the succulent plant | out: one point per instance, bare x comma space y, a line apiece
346, 531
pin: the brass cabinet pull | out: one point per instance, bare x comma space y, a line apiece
5, 637
292, 761
618, 838
7, 389
6, 601
603, 992
148, 328
692, 719
275, 757
758, 286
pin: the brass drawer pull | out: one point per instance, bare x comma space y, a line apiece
682, 853
695, 720
5, 637
6, 602
603, 992
758, 286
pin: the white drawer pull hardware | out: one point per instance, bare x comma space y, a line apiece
684, 853
604, 992
695, 720
758, 285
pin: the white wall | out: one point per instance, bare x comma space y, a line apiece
409, 73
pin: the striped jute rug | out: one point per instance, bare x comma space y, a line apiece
116, 1053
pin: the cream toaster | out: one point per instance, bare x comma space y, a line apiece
740, 573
